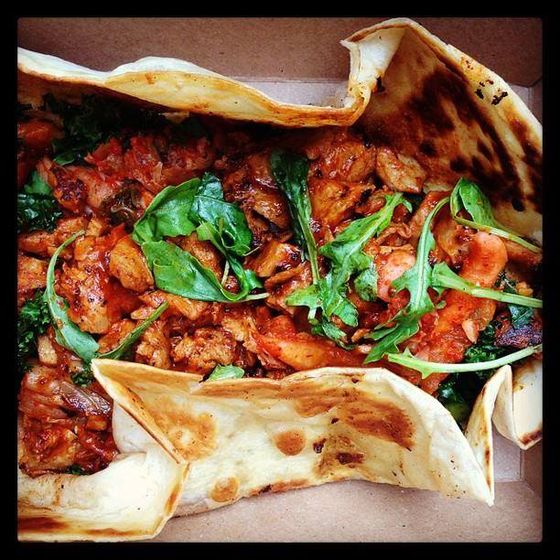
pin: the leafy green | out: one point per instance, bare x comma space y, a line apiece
75, 469
485, 348
226, 372
329, 294
459, 391
467, 196
222, 223
444, 277
67, 333
83, 377
290, 173
93, 121
521, 315
37, 209
416, 280
427, 368
33, 320
168, 214
178, 272
197, 205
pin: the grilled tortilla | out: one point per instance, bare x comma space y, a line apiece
224, 440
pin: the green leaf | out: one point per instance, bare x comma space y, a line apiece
444, 277
67, 332
467, 196
168, 214
521, 315
224, 224
459, 391
330, 294
118, 352
416, 280
290, 173
178, 272
226, 372
75, 469
93, 121
485, 348
33, 320
83, 377
37, 209
427, 368
196, 205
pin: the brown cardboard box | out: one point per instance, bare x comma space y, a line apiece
300, 60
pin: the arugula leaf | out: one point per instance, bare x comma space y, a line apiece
67, 332
467, 196
416, 280
329, 294
485, 348
178, 272
427, 368
290, 173
444, 277
33, 320
37, 209
118, 352
168, 214
226, 372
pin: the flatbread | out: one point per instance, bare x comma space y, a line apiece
129, 500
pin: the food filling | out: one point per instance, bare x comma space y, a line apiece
232, 249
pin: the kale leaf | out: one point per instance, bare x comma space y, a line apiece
33, 320
37, 209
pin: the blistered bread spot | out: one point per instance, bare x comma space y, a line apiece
338, 451
225, 490
379, 419
291, 442
349, 458
194, 436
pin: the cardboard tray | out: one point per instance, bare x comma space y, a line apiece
300, 60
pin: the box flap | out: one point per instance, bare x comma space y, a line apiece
289, 48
